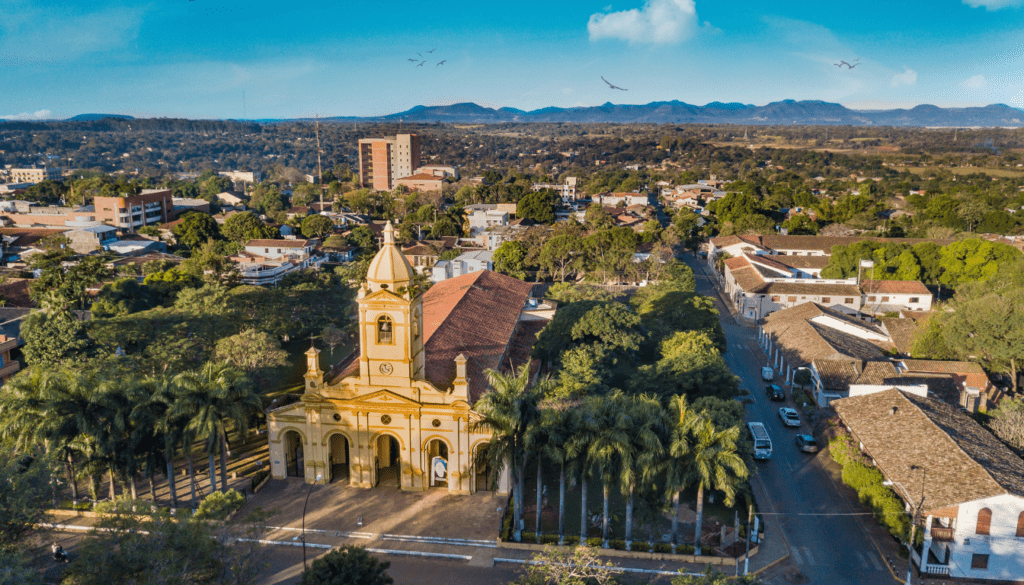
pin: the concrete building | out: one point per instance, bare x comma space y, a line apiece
382, 160
621, 199
34, 175
398, 412
482, 219
421, 182
443, 171
566, 189
131, 212
91, 239
463, 264
242, 176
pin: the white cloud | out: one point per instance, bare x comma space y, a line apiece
658, 22
976, 82
49, 32
38, 115
908, 77
993, 4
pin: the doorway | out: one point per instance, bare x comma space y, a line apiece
437, 463
389, 462
337, 459
293, 458
482, 470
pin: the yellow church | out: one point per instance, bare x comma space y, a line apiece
398, 412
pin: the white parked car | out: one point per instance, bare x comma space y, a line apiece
789, 416
767, 373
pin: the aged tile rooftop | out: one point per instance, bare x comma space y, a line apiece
901, 331
963, 462
898, 287
475, 315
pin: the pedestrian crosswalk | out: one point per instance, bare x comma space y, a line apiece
803, 555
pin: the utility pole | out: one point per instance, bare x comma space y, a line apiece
319, 167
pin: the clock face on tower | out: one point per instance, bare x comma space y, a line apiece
386, 368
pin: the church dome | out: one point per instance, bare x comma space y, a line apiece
389, 267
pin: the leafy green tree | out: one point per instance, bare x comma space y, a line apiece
597, 218
444, 226
123, 297
363, 238
64, 279
734, 206
213, 186
348, 565
252, 351
53, 336
676, 465
989, 327
245, 226
608, 252
538, 206
560, 254
195, 229
267, 199
129, 546
25, 495
713, 576
317, 226
509, 258
801, 225
585, 371
579, 565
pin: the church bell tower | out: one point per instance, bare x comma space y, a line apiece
390, 320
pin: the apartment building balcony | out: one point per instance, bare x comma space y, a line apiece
8, 346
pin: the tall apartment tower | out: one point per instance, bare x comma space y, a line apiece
382, 160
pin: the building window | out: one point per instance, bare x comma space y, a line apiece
848, 301
791, 299
979, 562
385, 330
826, 299
984, 522
775, 298
871, 299
1020, 525
915, 299
885, 299
266, 250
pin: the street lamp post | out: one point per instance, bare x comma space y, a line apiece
913, 519
304, 504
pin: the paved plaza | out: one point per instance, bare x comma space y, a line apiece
339, 508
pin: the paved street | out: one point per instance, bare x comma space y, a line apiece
828, 536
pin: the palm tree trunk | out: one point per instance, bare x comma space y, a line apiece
223, 462
110, 470
191, 476
629, 517
71, 477
131, 483
94, 488
675, 520
583, 513
213, 466
604, 517
152, 486
170, 477
540, 490
700, 519
561, 504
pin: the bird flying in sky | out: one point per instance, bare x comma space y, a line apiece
441, 63
612, 86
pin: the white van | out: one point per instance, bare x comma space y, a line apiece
762, 442
767, 373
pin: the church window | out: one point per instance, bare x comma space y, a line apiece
385, 330
416, 324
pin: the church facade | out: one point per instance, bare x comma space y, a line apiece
399, 411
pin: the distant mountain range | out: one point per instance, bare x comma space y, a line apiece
786, 112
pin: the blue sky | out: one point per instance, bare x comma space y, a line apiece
195, 59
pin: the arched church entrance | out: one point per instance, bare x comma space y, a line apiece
337, 458
389, 462
293, 458
437, 463
481, 470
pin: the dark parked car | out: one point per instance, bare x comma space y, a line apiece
806, 444
774, 392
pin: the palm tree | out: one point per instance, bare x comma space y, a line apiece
599, 442
714, 464
641, 454
113, 427
675, 464
155, 414
556, 424
508, 410
211, 397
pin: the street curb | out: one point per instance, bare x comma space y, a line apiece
772, 564
607, 568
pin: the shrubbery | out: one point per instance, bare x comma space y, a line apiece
867, 482
218, 505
